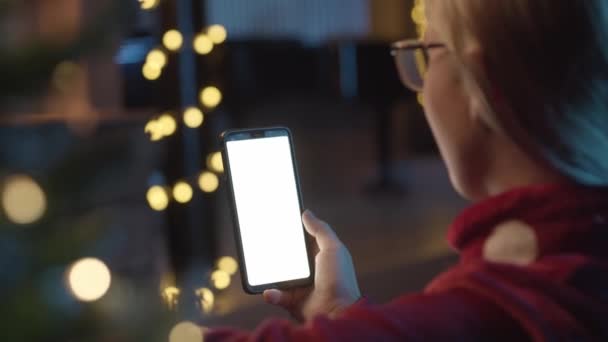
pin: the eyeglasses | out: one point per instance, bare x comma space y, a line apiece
412, 59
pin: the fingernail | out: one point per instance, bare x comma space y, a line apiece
310, 214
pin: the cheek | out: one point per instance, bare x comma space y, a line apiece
448, 112
446, 108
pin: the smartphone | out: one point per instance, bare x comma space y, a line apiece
273, 247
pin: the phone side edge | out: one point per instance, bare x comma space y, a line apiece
235, 224
308, 239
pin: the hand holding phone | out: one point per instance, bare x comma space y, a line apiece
276, 255
335, 286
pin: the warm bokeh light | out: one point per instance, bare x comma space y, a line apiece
202, 44
23, 200
210, 97
217, 34
206, 299
157, 58
151, 71
162, 127
186, 332
157, 197
170, 295
182, 192
215, 163
220, 279
419, 17
154, 130
208, 182
228, 265
173, 40
167, 124
193, 117
148, 4
89, 279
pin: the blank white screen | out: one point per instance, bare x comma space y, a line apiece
268, 210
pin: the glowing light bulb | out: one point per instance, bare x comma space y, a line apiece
419, 17
173, 40
151, 71
210, 97
148, 4
418, 14
217, 33
202, 44
156, 58
208, 182
228, 265
157, 197
23, 200
220, 279
182, 192
186, 332
170, 295
206, 299
89, 279
154, 130
193, 117
167, 124
215, 162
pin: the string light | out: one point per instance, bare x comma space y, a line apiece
148, 4
162, 127
170, 295
220, 279
208, 182
182, 192
153, 129
89, 279
210, 97
419, 17
157, 197
206, 299
217, 33
186, 332
167, 124
157, 58
193, 117
23, 200
202, 44
151, 71
228, 265
173, 40
215, 163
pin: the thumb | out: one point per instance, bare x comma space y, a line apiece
324, 235
277, 297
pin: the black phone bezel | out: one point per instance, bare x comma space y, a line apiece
259, 133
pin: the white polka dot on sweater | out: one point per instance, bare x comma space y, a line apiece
511, 242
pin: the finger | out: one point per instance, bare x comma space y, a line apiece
324, 235
279, 298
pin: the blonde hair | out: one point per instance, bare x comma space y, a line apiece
547, 61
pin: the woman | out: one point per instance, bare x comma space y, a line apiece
516, 94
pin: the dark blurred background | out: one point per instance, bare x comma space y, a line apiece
114, 221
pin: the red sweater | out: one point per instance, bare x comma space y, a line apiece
533, 266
